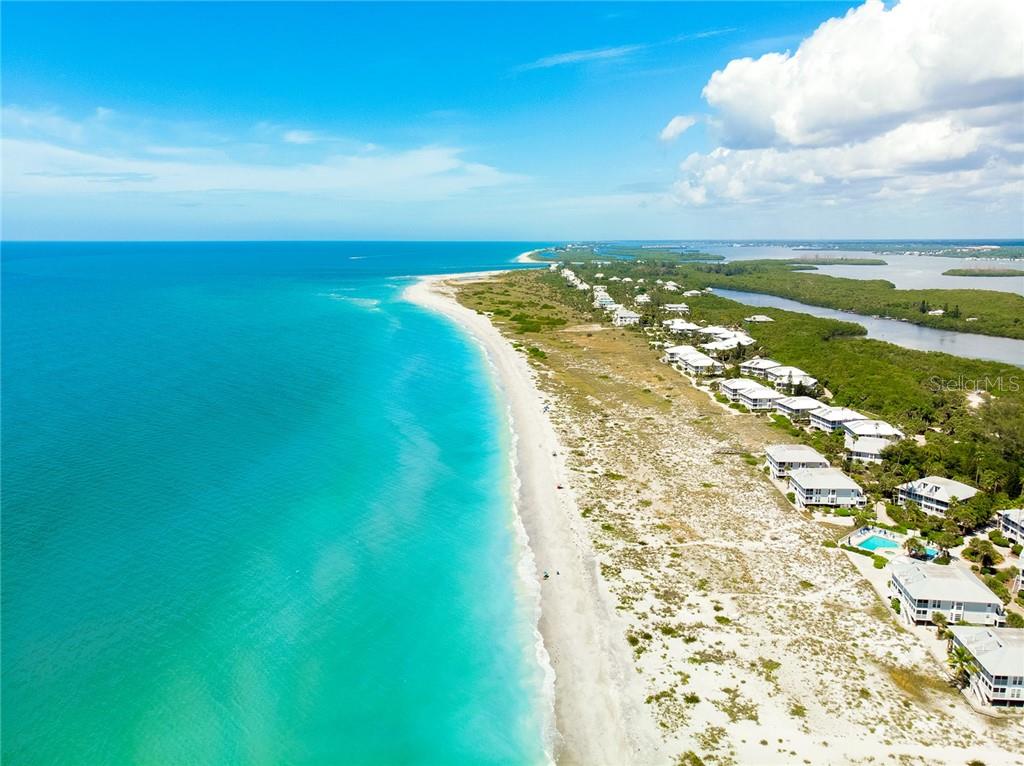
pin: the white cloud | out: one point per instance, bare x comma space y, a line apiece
924, 98
49, 155
299, 137
616, 52
581, 57
676, 127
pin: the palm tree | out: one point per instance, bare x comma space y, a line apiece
915, 547
961, 662
941, 624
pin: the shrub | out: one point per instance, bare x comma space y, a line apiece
791, 497
879, 562
1016, 549
895, 604
830, 543
1014, 620
691, 698
997, 537
797, 710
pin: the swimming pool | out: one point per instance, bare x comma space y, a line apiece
874, 542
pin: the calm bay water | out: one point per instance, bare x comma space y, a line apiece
906, 272
968, 345
256, 510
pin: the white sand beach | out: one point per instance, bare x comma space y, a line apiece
693, 611
529, 257
600, 714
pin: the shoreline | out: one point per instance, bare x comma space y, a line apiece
599, 711
527, 257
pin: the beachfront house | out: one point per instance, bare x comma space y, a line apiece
783, 458
879, 429
716, 347
997, 674
832, 418
623, 317
679, 308
731, 387
1011, 524
924, 588
825, 486
934, 493
702, 365
797, 408
680, 325
788, 377
866, 449
759, 398
757, 367
675, 354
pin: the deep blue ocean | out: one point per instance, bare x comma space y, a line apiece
256, 510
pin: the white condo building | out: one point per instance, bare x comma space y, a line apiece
934, 493
757, 367
783, 458
797, 408
759, 398
832, 418
1011, 524
866, 449
924, 588
825, 486
731, 387
997, 678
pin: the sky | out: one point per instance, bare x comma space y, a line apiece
534, 121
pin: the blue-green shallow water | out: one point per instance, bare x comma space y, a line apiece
256, 510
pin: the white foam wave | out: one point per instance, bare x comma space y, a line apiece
366, 303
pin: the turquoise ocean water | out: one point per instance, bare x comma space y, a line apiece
256, 510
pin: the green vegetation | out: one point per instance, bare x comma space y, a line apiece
996, 313
983, 273
921, 392
825, 260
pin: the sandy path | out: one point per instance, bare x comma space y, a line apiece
600, 714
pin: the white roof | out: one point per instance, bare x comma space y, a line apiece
924, 580
799, 403
676, 307
939, 488
681, 350
700, 360
1000, 651
714, 330
760, 392
623, 313
721, 345
822, 478
785, 371
738, 384
871, 428
795, 453
869, 445
757, 363
838, 414
680, 325
691, 293
758, 318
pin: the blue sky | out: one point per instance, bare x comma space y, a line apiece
507, 121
